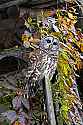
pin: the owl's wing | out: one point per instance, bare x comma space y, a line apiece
40, 64
35, 70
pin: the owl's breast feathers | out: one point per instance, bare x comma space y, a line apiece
41, 63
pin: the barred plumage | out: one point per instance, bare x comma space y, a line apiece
43, 60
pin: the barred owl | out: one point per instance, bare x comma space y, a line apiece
42, 61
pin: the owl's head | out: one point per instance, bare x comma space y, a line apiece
50, 44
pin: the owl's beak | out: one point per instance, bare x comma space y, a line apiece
50, 46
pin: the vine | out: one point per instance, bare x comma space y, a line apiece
65, 89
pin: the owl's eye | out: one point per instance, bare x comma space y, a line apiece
55, 43
48, 41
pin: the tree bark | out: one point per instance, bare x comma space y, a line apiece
11, 3
49, 100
